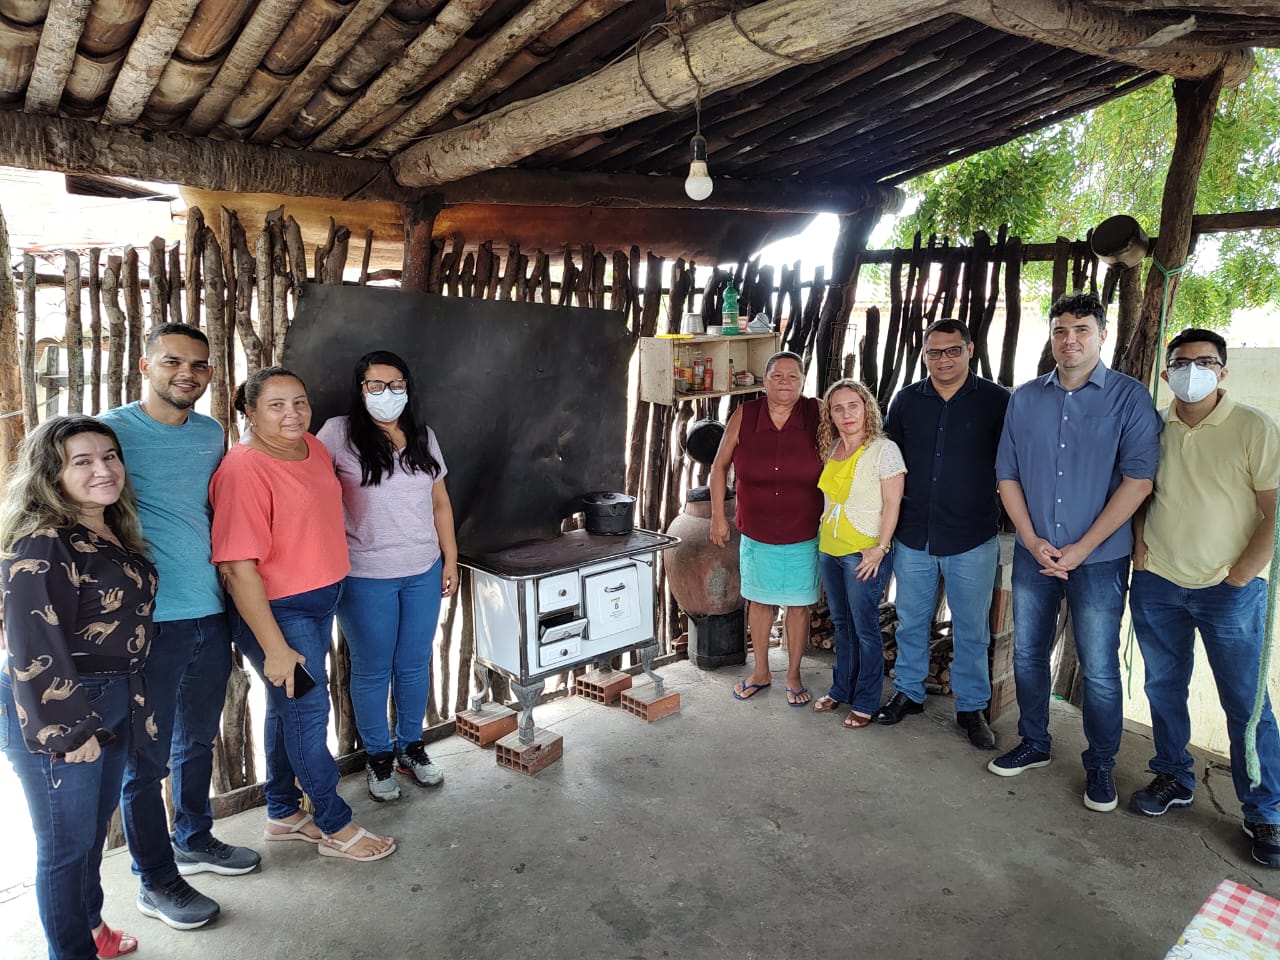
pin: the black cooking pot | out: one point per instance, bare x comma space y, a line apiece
609, 514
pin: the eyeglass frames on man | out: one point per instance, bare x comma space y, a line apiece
1204, 363
377, 386
951, 352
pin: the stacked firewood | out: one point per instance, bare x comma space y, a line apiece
938, 680
822, 634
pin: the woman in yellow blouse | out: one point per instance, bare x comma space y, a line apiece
861, 484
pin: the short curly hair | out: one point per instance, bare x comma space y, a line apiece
1080, 304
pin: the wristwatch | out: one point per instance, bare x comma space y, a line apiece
886, 547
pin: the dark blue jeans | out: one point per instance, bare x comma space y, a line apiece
858, 675
186, 674
1230, 620
1095, 596
390, 626
71, 805
296, 732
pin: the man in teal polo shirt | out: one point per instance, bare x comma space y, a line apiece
171, 452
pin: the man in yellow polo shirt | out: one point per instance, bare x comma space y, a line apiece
1206, 536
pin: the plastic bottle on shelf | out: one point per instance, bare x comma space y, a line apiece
729, 309
697, 373
708, 375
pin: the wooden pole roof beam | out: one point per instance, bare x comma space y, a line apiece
752, 45
763, 40
1131, 39
157, 38
71, 146
63, 24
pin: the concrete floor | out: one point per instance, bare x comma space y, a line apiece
730, 830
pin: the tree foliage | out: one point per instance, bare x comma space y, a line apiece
1064, 180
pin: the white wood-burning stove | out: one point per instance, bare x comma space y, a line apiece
546, 606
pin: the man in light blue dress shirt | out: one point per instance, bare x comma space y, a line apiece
1077, 458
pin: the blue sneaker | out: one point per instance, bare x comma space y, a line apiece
1099, 791
1155, 799
1022, 757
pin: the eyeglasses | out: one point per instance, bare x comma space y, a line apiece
1204, 363
952, 352
377, 386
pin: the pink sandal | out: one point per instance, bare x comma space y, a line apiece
114, 943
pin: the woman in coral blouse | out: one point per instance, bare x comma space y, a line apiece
279, 545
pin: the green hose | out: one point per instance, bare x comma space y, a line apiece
1251, 765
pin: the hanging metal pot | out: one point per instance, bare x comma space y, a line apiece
1120, 239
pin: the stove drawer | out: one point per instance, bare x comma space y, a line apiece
560, 643
558, 593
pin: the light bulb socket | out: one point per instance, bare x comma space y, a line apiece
698, 148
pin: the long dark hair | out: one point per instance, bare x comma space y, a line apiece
370, 443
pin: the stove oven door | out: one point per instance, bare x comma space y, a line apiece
612, 601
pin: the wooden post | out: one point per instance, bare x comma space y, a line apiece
30, 413
74, 334
419, 218
157, 282
11, 393
175, 284
244, 270
1195, 102
266, 286
133, 311
115, 330
1012, 309
195, 257
215, 315
95, 332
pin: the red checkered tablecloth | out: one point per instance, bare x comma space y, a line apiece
1235, 922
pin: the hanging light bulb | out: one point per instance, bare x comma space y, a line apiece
698, 184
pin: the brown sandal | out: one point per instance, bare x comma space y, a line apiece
825, 705
856, 721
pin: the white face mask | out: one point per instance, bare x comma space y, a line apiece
386, 407
1192, 384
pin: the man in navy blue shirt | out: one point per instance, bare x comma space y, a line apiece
948, 428
1077, 458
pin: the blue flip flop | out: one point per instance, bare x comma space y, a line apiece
803, 691
749, 689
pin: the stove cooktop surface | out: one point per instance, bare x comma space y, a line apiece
539, 558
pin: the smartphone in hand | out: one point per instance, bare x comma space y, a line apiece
303, 681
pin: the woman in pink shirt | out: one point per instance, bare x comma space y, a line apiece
403, 560
279, 545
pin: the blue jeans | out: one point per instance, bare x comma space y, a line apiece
186, 674
71, 805
1095, 596
970, 580
858, 676
390, 626
296, 732
1230, 620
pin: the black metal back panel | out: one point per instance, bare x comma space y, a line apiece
528, 401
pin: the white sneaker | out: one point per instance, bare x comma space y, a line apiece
414, 762
380, 776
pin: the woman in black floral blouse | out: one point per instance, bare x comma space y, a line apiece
78, 593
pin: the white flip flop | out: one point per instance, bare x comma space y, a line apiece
332, 847
293, 830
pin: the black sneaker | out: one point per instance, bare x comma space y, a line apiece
217, 857
178, 905
1155, 799
1266, 842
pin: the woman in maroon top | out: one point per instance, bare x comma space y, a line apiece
772, 444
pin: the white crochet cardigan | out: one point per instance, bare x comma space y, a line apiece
862, 509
